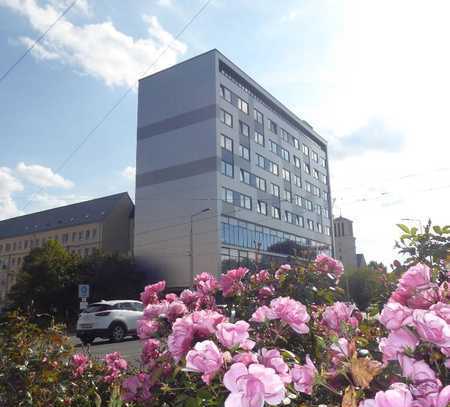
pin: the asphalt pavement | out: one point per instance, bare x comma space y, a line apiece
130, 348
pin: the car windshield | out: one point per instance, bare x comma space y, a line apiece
97, 307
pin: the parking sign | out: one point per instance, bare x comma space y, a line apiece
83, 290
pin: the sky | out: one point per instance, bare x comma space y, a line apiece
371, 77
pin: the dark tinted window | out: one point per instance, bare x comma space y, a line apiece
98, 307
138, 306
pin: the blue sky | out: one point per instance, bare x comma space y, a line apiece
371, 77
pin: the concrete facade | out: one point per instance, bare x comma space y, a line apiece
101, 224
208, 138
345, 242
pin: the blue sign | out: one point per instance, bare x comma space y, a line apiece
83, 290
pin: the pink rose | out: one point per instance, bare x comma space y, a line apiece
442, 311
398, 395
326, 264
426, 392
231, 283
171, 297
205, 322
247, 358
180, 340
115, 365
176, 309
416, 371
150, 351
80, 363
444, 397
292, 312
136, 388
283, 269
397, 342
252, 386
146, 328
150, 293
423, 297
260, 277
303, 376
204, 358
340, 350
265, 292
234, 335
262, 314
416, 276
272, 358
156, 310
188, 297
337, 314
395, 315
206, 283
431, 327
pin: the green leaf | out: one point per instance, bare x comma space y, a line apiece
413, 230
404, 228
437, 230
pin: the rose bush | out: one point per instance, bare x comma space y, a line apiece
276, 337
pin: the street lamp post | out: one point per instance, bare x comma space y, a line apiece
191, 252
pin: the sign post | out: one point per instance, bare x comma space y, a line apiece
83, 293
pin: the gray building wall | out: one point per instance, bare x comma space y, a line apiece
345, 242
178, 166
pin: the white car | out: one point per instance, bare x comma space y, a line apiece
109, 319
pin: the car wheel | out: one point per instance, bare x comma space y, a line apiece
118, 333
87, 340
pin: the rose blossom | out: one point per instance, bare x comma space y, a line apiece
415, 276
283, 269
292, 312
80, 363
156, 310
432, 328
146, 328
397, 342
272, 358
416, 371
180, 340
234, 335
326, 264
340, 350
150, 293
171, 297
176, 309
205, 322
303, 376
262, 314
115, 364
204, 358
423, 297
260, 277
265, 292
136, 388
426, 392
444, 397
442, 311
395, 315
150, 351
253, 386
206, 283
231, 281
336, 314
188, 297
247, 358
398, 395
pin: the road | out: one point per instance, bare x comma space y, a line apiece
130, 349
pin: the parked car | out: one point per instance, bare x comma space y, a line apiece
112, 320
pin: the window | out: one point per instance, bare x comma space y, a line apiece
309, 205
25, 245
308, 186
226, 118
315, 156
88, 234
273, 168
285, 135
298, 200
323, 162
275, 190
296, 143
65, 238
305, 149
245, 201
286, 175
273, 147
297, 181
297, 161
315, 173
288, 217
259, 138
244, 128
74, 236
326, 212
318, 209
225, 92
94, 233
310, 224
327, 230
319, 227
325, 195
244, 152
226, 142
260, 160
227, 195
276, 212
323, 178
273, 126
287, 195
316, 191
14, 246
259, 116
262, 208
298, 220
243, 105
227, 169
285, 154
245, 177
80, 235
307, 168
261, 183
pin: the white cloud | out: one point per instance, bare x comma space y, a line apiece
43, 201
129, 173
42, 176
99, 50
38, 51
165, 3
9, 185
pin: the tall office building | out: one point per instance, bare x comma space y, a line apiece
224, 172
